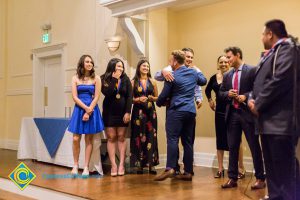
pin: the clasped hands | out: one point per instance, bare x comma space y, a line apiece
144, 99
88, 112
232, 93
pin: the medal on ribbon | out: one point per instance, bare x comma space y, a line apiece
140, 89
118, 96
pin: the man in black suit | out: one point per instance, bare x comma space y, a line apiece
274, 102
235, 88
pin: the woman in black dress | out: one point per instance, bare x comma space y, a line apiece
219, 107
143, 143
117, 103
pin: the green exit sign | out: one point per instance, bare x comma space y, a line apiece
46, 38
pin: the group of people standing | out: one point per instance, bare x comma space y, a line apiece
259, 101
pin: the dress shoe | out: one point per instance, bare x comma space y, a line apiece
166, 174
140, 170
229, 184
241, 175
259, 184
85, 173
220, 174
185, 176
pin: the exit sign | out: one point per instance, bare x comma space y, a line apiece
46, 38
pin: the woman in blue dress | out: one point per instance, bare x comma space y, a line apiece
86, 118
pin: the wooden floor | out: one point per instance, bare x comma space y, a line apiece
12, 196
133, 187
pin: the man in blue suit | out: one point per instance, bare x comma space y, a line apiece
181, 115
235, 88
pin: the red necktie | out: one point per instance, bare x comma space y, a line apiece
236, 87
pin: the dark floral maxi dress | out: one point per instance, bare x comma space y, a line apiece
143, 142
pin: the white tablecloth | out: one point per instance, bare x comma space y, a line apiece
31, 146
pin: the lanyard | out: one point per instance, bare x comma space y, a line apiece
118, 85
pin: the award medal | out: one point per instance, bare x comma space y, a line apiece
118, 96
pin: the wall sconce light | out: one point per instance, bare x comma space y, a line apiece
113, 43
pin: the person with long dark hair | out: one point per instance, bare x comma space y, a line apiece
219, 107
143, 144
117, 105
86, 118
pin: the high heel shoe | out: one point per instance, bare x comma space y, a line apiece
220, 174
74, 171
152, 170
121, 172
113, 171
242, 175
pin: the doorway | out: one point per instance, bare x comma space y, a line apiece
49, 81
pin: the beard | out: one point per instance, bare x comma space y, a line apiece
267, 46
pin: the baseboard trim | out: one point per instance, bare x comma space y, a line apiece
9, 144
207, 160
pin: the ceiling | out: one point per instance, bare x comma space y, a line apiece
121, 8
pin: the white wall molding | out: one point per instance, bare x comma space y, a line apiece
9, 144
19, 92
68, 89
70, 69
21, 75
133, 35
121, 8
131, 7
47, 51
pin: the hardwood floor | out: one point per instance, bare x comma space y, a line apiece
12, 196
132, 186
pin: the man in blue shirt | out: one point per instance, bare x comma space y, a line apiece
181, 114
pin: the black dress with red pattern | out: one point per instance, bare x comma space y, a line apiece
143, 142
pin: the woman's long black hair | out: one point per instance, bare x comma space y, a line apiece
137, 75
111, 67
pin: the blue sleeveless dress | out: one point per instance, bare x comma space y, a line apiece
94, 124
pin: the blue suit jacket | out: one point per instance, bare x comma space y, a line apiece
181, 90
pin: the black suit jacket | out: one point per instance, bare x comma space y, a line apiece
246, 86
273, 93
